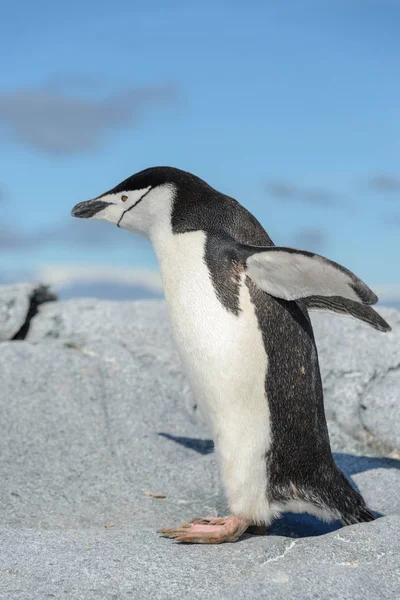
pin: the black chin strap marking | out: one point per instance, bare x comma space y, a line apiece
133, 206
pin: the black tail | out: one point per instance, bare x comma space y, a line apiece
349, 503
360, 515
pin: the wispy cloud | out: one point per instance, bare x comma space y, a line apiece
309, 238
50, 119
388, 293
77, 82
94, 281
281, 190
62, 276
386, 183
288, 192
72, 232
391, 220
11, 239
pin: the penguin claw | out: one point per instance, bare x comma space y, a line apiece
171, 533
207, 521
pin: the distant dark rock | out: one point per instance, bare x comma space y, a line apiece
18, 305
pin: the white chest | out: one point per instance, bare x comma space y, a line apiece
222, 352
224, 358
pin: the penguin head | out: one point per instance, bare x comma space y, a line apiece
140, 202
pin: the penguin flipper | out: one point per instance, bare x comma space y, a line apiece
343, 306
296, 274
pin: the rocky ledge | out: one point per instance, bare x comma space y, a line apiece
101, 444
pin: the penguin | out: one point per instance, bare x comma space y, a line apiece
238, 307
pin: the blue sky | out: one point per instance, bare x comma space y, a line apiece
291, 107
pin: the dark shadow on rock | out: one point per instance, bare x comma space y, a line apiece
351, 464
198, 445
301, 525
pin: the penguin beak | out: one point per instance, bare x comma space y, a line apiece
86, 210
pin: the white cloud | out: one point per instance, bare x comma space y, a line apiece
51, 119
388, 292
61, 276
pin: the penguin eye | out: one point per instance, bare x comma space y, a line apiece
124, 198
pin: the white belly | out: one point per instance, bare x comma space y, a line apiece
225, 361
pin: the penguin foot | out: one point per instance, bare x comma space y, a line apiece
208, 530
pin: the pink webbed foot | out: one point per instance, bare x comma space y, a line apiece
208, 530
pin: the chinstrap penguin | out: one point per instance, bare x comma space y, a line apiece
239, 312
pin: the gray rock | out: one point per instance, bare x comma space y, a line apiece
96, 412
131, 322
379, 406
121, 563
356, 563
380, 484
18, 302
342, 441
361, 375
360, 366
82, 432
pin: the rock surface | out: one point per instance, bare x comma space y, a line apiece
96, 412
361, 375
